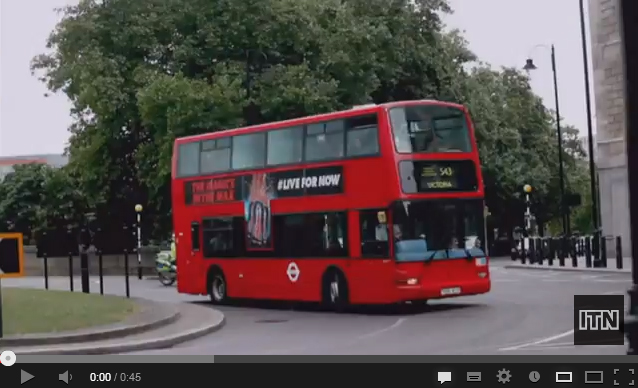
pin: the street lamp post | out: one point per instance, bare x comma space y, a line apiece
590, 130
138, 210
529, 65
528, 213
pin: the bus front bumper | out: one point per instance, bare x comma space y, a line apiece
420, 290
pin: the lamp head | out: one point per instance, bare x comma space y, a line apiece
529, 65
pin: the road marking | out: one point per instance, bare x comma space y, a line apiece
538, 342
372, 334
375, 333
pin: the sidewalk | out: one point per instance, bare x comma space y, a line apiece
569, 266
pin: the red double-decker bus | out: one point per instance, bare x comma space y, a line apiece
374, 205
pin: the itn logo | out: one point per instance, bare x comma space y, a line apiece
599, 320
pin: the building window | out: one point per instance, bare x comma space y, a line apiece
285, 146
218, 237
188, 159
374, 233
215, 155
249, 151
311, 235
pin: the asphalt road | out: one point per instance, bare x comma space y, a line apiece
527, 312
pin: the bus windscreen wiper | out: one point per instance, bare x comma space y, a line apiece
468, 254
430, 258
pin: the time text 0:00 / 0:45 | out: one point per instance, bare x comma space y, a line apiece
121, 376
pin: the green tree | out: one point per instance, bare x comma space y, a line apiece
35, 197
142, 72
20, 195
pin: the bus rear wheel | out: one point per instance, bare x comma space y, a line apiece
217, 289
335, 291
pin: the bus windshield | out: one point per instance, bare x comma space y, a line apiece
430, 128
438, 229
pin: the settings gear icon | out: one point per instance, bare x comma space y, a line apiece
504, 376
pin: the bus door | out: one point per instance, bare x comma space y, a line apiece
187, 247
375, 264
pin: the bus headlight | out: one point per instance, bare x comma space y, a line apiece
409, 281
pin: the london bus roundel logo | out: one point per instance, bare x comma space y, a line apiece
293, 272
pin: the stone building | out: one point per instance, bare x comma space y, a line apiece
609, 88
7, 162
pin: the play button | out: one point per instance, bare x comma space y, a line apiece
25, 376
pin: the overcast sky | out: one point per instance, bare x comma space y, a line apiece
502, 32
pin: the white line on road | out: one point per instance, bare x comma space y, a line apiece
538, 342
396, 324
354, 340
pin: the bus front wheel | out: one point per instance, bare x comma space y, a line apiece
218, 289
335, 291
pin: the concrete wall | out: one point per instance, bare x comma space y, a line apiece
609, 89
111, 264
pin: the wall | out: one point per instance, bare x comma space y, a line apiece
111, 264
608, 87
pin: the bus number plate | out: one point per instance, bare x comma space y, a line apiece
451, 291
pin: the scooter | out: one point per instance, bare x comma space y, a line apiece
166, 268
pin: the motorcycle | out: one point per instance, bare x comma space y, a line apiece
166, 268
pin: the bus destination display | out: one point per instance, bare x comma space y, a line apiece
439, 176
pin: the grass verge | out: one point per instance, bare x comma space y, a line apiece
27, 311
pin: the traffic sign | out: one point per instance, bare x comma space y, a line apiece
11, 255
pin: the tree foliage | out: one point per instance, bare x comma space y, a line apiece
140, 73
36, 196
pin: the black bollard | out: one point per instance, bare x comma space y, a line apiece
43, 246
574, 251
562, 251
100, 269
85, 241
539, 251
588, 252
46, 271
126, 279
72, 249
619, 257
84, 271
603, 252
523, 251
531, 250
551, 251
595, 246
71, 288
